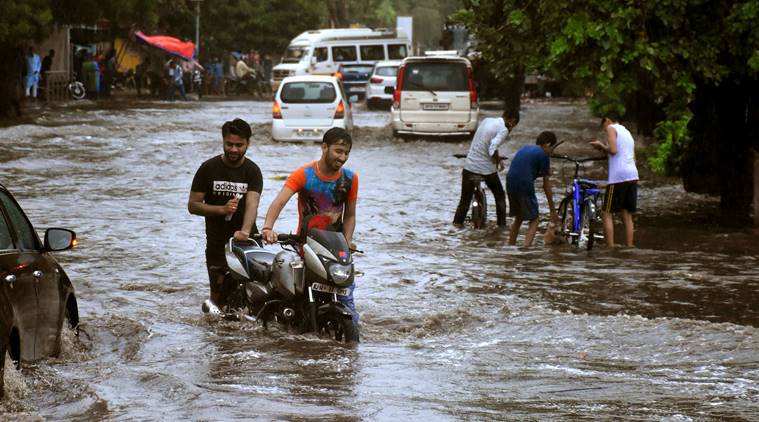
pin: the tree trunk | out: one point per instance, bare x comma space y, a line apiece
718, 158
756, 187
339, 14
512, 93
11, 89
737, 165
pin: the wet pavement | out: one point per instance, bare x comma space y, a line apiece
456, 325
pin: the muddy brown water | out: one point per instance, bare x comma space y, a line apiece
456, 325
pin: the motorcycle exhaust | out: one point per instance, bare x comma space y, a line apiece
288, 313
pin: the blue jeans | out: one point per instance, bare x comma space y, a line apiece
348, 301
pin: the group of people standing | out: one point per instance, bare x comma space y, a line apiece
35, 71
226, 190
533, 161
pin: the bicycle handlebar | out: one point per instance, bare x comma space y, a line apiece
578, 160
464, 156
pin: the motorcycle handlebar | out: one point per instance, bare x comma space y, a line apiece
281, 237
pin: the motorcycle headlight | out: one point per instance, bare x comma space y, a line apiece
340, 273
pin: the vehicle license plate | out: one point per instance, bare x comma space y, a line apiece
358, 88
307, 132
435, 106
330, 289
389, 89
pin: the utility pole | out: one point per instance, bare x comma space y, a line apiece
197, 28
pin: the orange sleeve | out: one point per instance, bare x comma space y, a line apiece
297, 180
353, 193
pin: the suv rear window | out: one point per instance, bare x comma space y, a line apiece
387, 71
425, 76
308, 92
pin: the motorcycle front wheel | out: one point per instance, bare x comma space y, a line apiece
341, 329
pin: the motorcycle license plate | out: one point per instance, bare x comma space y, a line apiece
330, 289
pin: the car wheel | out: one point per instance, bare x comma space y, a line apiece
3, 353
70, 325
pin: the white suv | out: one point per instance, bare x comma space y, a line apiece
305, 107
379, 89
435, 96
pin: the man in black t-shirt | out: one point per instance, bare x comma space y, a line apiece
226, 190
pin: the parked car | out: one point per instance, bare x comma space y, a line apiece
435, 96
36, 295
381, 85
305, 107
354, 77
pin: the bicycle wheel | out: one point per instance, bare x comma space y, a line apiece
479, 209
587, 226
566, 214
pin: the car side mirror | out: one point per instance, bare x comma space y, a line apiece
313, 61
59, 239
353, 99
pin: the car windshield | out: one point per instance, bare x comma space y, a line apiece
436, 77
387, 71
294, 54
308, 92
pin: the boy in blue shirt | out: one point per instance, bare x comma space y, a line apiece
530, 162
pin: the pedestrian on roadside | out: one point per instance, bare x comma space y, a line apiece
218, 76
226, 190
91, 76
484, 161
622, 189
529, 163
177, 80
33, 67
47, 65
109, 73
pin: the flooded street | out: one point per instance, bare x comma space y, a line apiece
455, 324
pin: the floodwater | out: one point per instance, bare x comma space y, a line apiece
456, 325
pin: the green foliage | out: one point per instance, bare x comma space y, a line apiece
672, 138
23, 22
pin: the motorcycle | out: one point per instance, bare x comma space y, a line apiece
298, 287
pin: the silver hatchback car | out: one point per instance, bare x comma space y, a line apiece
379, 89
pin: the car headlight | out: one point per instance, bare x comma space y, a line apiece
340, 273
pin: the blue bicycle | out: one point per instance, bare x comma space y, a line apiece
577, 210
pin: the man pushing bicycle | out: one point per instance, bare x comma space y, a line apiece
483, 161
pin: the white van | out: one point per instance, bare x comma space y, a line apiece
320, 52
435, 96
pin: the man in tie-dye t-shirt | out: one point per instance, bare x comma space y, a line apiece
327, 195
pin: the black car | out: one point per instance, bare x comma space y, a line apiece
36, 295
355, 77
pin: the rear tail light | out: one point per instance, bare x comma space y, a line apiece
376, 80
340, 110
276, 113
398, 88
473, 103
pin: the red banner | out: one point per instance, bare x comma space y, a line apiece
171, 45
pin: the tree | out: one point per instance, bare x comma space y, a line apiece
20, 22
654, 60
